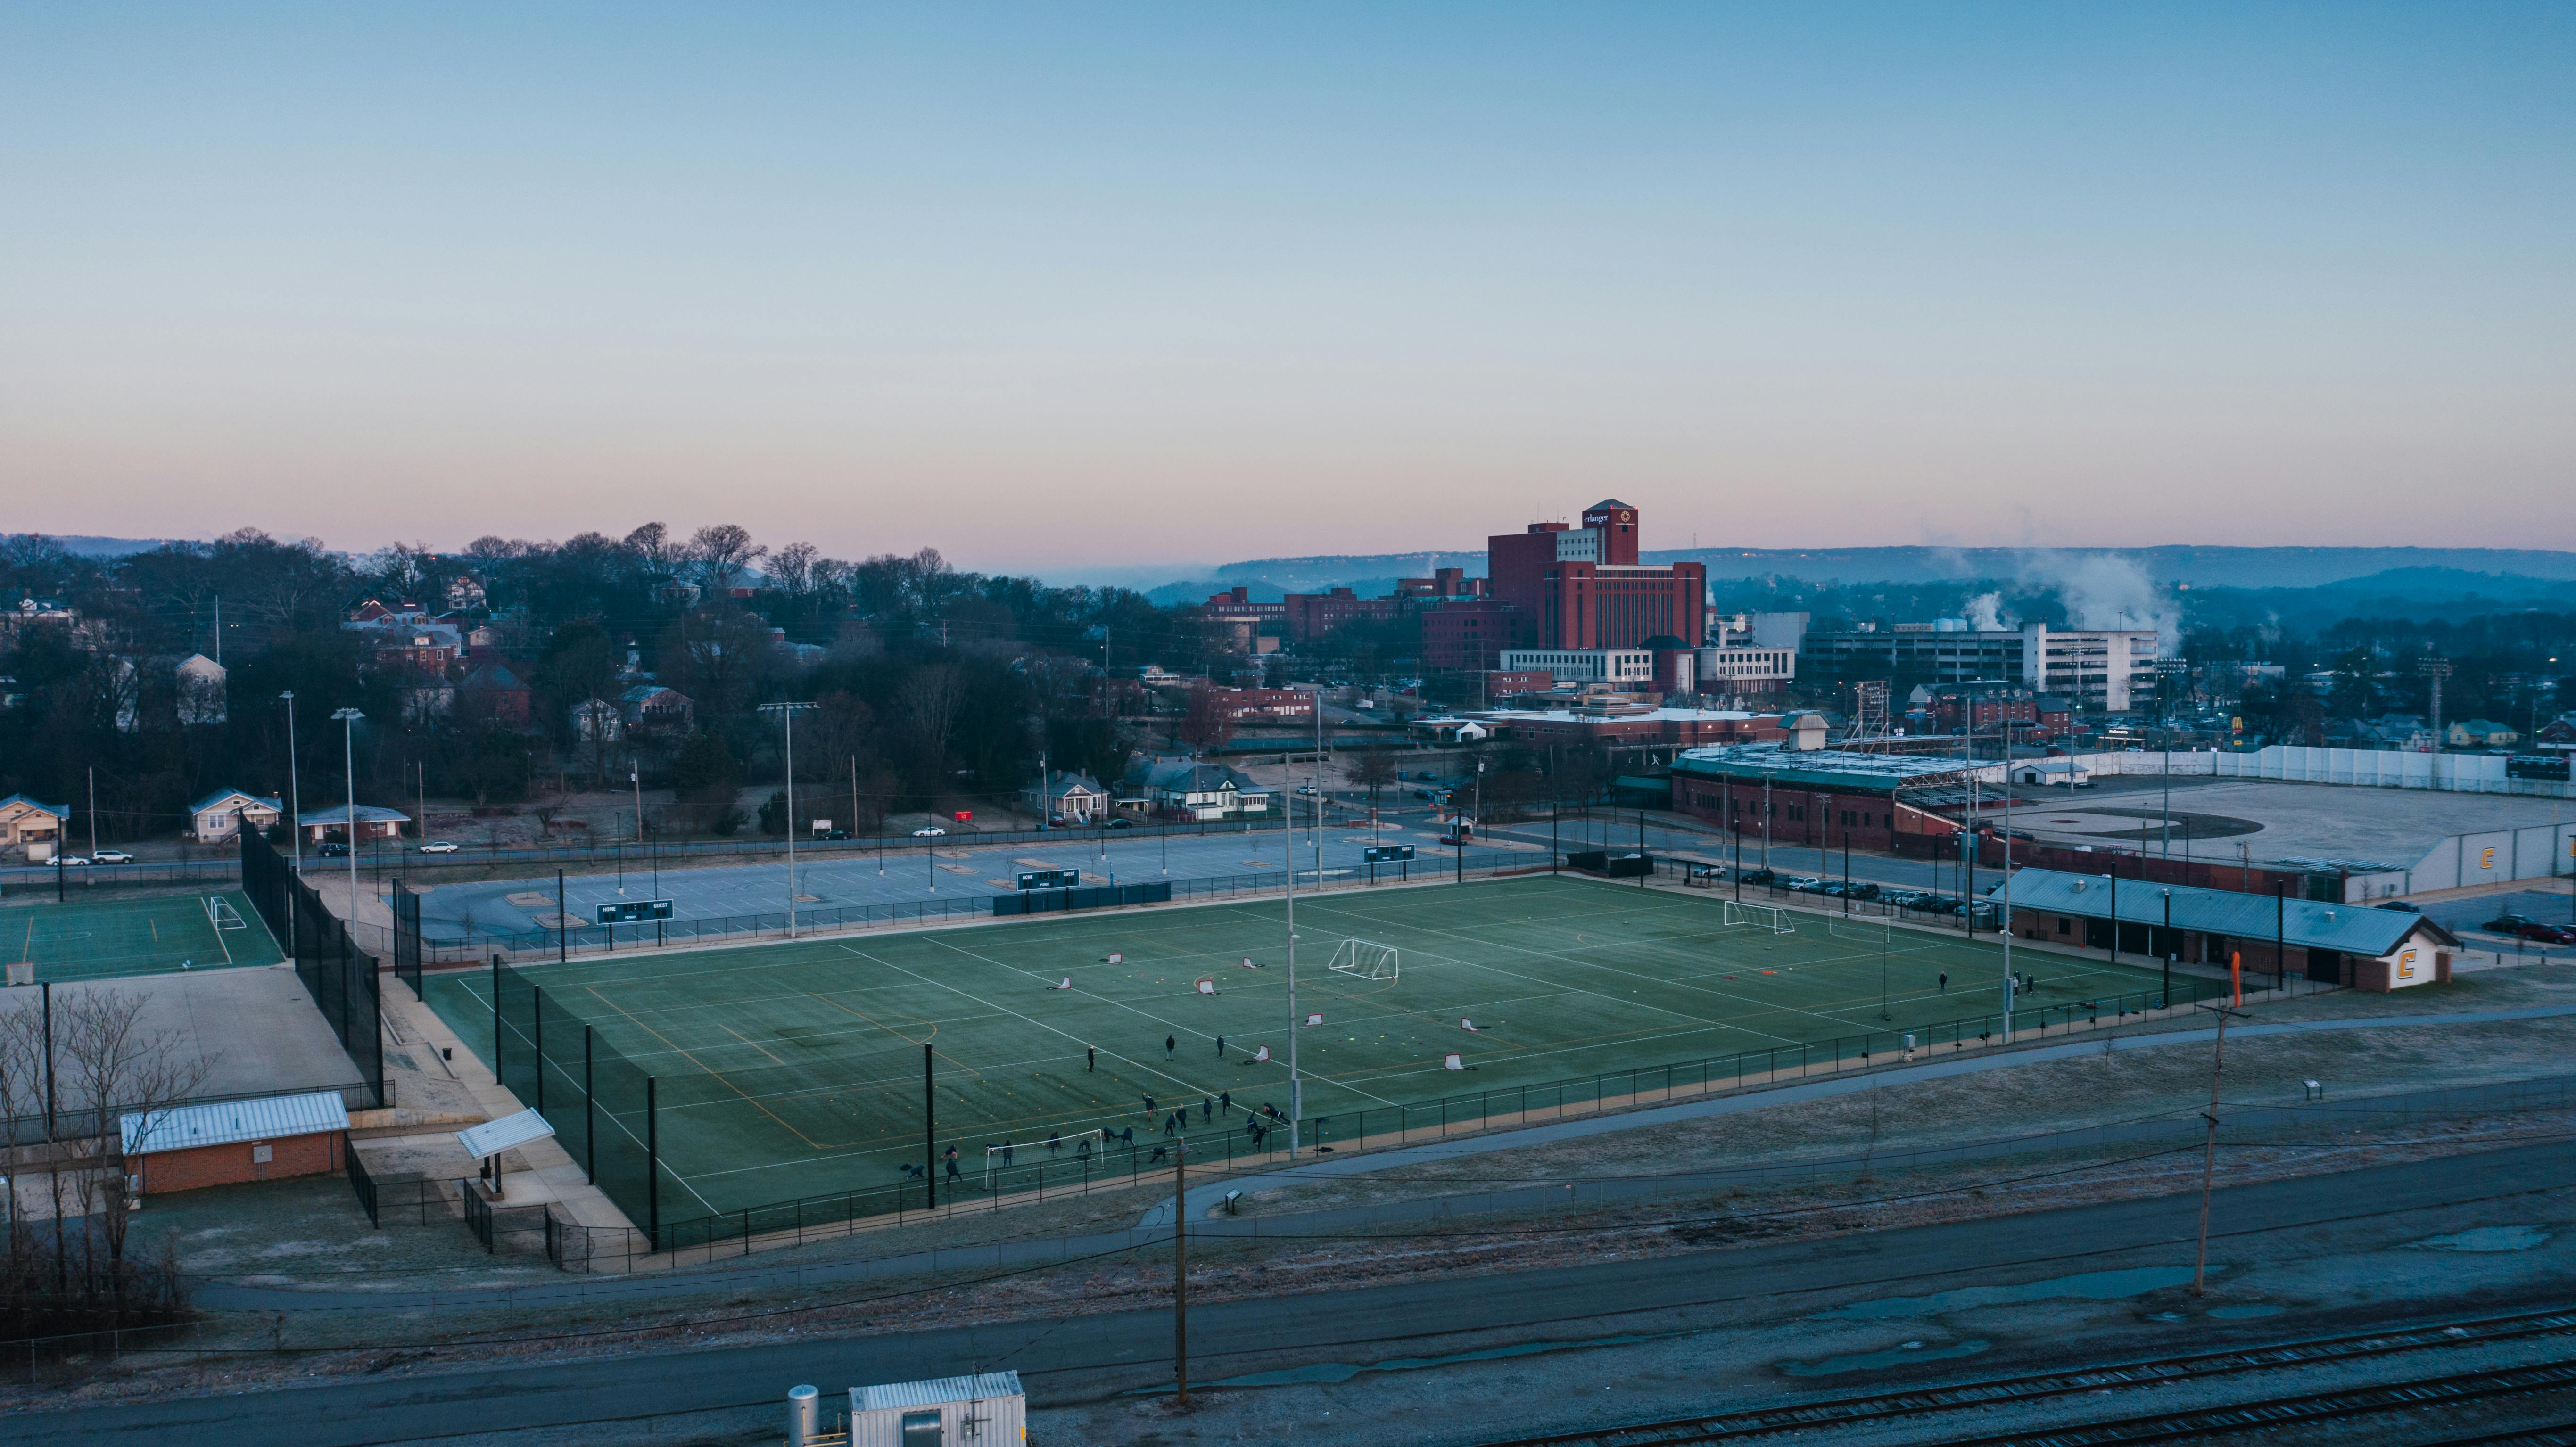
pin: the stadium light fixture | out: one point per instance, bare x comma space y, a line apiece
294, 790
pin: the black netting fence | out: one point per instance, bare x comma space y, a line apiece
407, 936
339, 976
600, 1104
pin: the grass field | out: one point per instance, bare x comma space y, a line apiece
147, 935
796, 1069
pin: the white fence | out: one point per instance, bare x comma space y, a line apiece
2383, 769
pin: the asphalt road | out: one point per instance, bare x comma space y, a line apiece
2371, 1211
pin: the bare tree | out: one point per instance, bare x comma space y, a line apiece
22, 1097
931, 700
117, 1067
1371, 771
793, 568
722, 552
652, 543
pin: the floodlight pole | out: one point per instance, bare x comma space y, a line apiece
2209, 1153
2007, 913
787, 715
294, 789
1181, 1273
348, 718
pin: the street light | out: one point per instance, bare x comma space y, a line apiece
787, 715
348, 718
294, 790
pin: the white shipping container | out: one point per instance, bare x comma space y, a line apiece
985, 1410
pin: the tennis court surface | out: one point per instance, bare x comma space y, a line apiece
146, 935
796, 1070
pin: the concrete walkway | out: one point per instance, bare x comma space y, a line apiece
1154, 1227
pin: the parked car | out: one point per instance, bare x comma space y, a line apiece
2508, 924
111, 856
1835, 889
1424, 794
438, 846
1863, 889
1459, 839
1121, 822
932, 832
1305, 788
2545, 933
331, 849
1805, 884
1761, 876
69, 861
836, 833
2399, 904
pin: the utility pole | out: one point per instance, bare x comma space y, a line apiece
2434, 671
2209, 1152
1288, 856
93, 811
1181, 1273
787, 715
348, 718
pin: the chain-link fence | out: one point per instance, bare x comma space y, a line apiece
339, 976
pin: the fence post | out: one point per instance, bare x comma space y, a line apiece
496, 1018
589, 1116
537, 1015
652, 1166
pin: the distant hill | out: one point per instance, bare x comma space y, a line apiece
88, 547
2401, 570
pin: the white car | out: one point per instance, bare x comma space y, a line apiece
69, 861
112, 856
933, 832
438, 846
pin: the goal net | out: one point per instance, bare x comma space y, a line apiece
22, 972
220, 913
1760, 916
1368, 960
1067, 1148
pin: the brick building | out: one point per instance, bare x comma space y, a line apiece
1680, 727
183, 1148
1471, 635
1583, 587
1821, 797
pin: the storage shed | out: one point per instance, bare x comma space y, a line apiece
985, 1410
184, 1147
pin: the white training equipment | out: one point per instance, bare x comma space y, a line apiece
1452, 1063
1760, 916
1070, 1148
1117, 959
220, 912
1068, 983
22, 972
1466, 1024
1365, 959
1261, 1056
1314, 1019
1248, 964
1207, 987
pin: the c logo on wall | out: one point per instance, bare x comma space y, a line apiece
2486, 859
2406, 964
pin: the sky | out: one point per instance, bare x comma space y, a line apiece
1063, 287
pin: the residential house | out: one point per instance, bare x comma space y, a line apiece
597, 721
201, 690
2479, 733
464, 591
1068, 798
372, 822
33, 827
493, 694
1184, 789
218, 816
649, 708
2556, 736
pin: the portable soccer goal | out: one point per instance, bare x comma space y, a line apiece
221, 914
22, 972
1366, 959
1070, 1147
1760, 916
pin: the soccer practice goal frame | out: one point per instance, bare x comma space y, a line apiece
221, 914
1367, 959
999, 1158
1770, 917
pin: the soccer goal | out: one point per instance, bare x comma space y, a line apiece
1368, 960
1760, 916
221, 914
1069, 1147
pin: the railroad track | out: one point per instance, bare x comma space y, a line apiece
1889, 1407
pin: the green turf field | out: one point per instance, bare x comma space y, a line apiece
795, 1070
148, 935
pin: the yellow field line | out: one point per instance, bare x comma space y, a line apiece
747, 1097
747, 1040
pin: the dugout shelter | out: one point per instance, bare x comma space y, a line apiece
184, 1147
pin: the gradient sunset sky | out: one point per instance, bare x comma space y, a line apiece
1054, 287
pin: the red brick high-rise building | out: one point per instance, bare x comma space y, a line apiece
1584, 588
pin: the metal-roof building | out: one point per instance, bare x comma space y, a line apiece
989, 1407
2344, 944
182, 1147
